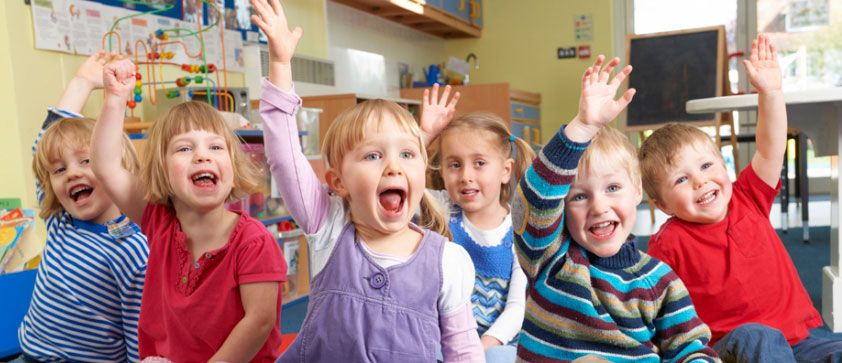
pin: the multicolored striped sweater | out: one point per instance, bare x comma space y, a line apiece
628, 307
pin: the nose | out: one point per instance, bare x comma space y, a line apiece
699, 181
466, 175
200, 156
393, 167
74, 172
599, 205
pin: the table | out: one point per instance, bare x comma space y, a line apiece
817, 113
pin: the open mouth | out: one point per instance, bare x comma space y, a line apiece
392, 200
204, 179
708, 197
603, 230
80, 192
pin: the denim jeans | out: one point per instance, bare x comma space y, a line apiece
759, 343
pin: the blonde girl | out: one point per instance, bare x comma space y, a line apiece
477, 161
211, 290
383, 288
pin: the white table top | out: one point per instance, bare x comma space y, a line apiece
749, 102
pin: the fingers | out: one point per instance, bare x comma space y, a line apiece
260, 23
749, 68
454, 101
279, 10
606, 72
426, 98
444, 95
753, 55
620, 77
774, 51
260, 7
297, 32
627, 97
434, 94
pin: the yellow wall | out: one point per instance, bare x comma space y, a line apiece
31, 80
518, 45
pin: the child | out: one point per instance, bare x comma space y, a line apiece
720, 240
590, 290
477, 161
383, 289
87, 293
212, 288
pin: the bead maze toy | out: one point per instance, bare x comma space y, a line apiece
159, 49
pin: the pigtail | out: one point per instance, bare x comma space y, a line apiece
432, 217
523, 154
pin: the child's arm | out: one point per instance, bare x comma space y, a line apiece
538, 205
122, 186
249, 335
87, 78
301, 190
764, 73
679, 333
436, 113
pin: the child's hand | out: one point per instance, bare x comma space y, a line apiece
437, 113
119, 78
273, 22
764, 73
90, 71
597, 105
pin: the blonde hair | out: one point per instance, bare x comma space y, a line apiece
348, 130
185, 117
611, 148
518, 149
659, 151
73, 132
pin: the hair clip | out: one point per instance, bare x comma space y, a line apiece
511, 138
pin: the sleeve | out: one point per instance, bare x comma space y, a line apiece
53, 115
760, 193
679, 333
130, 296
510, 321
459, 339
538, 204
260, 260
659, 246
304, 195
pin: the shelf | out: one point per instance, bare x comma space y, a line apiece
419, 16
275, 220
291, 233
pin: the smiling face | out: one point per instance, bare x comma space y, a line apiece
382, 178
199, 170
76, 188
697, 188
601, 208
474, 169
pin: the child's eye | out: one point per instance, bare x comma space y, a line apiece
182, 149
217, 147
680, 180
371, 156
578, 197
480, 163
454, 165
59, 170
614, 188
407, 155
706, 165
85, 161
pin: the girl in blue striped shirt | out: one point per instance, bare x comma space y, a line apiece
86, 300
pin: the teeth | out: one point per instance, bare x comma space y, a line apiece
202, 175
602, 225
707, 198
78, 189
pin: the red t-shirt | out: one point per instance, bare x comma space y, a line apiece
737, 270
188, 309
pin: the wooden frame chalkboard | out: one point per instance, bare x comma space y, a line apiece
669, 69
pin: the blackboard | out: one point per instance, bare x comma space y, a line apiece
670, 69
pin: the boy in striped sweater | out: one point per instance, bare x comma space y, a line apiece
86, 299
591, 292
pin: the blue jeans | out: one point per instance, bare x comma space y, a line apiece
759, 343
501, 354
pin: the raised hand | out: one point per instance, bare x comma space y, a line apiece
90, 71
597, 105
764, 72
119, 78
273, 22
437, 112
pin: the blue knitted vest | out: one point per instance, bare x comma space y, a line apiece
494, 271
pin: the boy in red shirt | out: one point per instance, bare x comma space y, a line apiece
719, 239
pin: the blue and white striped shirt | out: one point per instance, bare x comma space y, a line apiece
86, 301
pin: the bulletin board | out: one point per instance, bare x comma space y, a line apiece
670, 69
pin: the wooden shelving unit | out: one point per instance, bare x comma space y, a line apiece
418, 15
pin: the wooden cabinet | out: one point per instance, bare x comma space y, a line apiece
333, 105
520, 108
443, 18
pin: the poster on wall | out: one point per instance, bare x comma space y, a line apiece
52, 25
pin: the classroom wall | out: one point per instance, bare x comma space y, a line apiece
518, 45
31, 80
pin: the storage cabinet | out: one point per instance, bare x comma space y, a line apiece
443, 18
520, 108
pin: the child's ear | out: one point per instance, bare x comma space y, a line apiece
334, 182
508, 165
